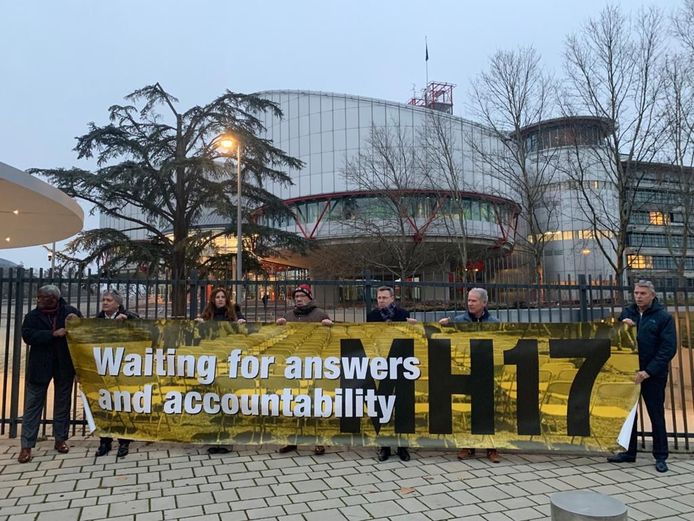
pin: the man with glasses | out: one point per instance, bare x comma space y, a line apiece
43, 330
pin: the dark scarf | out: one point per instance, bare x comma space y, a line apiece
220, 314
52, 314
388, 313
304, 310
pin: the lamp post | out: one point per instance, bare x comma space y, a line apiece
227, 144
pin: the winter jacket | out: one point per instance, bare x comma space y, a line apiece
467, 317
307, 313
655, 337
401, 315
49, 356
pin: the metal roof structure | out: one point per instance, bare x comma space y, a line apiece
33, 212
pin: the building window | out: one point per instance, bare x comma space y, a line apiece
640, 262
658, 218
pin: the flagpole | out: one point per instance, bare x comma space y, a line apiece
426, 62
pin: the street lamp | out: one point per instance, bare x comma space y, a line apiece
226, 145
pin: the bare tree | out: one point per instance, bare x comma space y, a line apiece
683, 22
514, 93
612, 74
677, 115
442, 166
388, 169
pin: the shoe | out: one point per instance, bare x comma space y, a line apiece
493, 456
104, 448
24, 455
661, 466
217, 450
621, 457
383, 453
319, 450
403, 453
61, 447
123, 450
287, 448
466, 453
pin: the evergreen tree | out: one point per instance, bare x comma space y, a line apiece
161, 173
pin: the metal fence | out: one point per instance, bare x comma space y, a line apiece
263, 299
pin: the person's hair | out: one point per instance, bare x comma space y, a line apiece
645, 284
386, 288
482, 294
114, 295
208, 312
50, 289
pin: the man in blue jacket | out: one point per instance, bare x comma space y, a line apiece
477, 300
656, 340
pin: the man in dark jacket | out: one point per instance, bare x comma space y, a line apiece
656, 341
44, 331
112, 309
477, 300
388, 311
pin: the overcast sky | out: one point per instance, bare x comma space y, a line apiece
64, 63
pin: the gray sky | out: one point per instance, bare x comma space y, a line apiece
64, 63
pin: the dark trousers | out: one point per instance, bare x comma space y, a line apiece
108, 441
653, 393
34, 402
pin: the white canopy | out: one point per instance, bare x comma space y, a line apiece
33, 212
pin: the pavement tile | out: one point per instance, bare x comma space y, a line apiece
184, 483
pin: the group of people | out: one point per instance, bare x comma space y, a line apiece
44, 330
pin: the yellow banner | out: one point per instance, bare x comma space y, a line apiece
521, 386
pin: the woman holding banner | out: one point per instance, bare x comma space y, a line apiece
221, 308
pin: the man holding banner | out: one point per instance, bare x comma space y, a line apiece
477, 299
388, 311
112, 309
44, 331
656, 340
305, 310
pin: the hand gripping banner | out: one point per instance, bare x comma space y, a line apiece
522, 386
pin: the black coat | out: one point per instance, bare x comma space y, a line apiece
400, 315
656, 337
49, 356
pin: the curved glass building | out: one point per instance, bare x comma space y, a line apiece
367, 172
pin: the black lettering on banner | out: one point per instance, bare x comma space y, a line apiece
402, 388
479, 385
596, 351
524, 357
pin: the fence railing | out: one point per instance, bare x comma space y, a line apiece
264, 299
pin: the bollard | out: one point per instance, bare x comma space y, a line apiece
584, 505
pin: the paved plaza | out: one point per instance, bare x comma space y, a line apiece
160, 482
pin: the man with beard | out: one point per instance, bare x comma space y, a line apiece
43, 330
388, 311
304, 311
